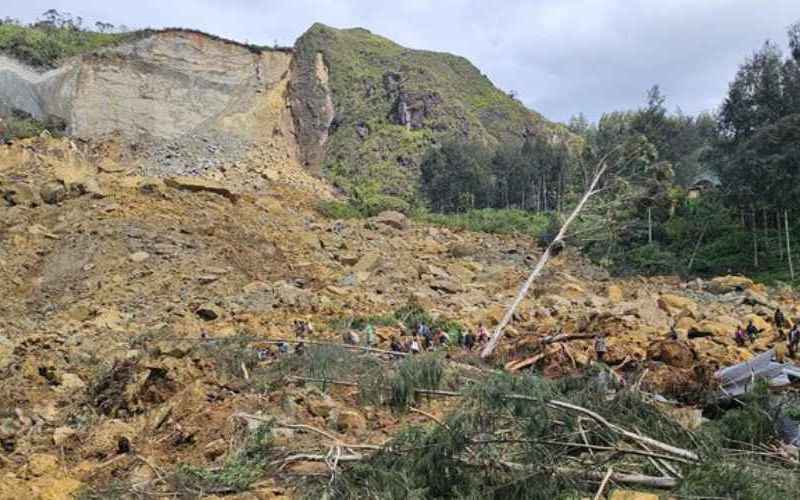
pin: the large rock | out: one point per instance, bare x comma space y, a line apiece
368, 262
199, 184
674, 304
447, 286
18, 194
614, 294
393, 219
53, 193
719, 327
349, 421
726, 284
673, 353
460, 250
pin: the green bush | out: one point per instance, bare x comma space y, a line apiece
339, 210
492, 220
240, 470
20, 125
42, 46
651, 259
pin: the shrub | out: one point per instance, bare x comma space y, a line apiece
43, 46
491, 220
240, 470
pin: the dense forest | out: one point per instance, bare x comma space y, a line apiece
702, 194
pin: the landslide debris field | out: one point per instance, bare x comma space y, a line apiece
137, 362
155, 261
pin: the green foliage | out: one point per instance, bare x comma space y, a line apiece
44, 44
241, 469
458, 177
18, 125
651, 259
739, 479
368, 78
751, 424
339, 210
424, 371
491, 220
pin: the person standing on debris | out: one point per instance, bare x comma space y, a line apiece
369, 335
395, 345
350, 337
740, 337
779, 319
794, 339
441, 338
752, 331
483, 335
673, 333
469, 341
413, 346
780, 352
600, 346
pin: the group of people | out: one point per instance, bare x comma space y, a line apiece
425, 339
790, 341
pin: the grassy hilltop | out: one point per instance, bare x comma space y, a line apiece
370, 78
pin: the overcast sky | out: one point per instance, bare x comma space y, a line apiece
561, 57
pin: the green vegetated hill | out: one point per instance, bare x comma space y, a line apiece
390, 103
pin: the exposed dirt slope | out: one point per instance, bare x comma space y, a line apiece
113, 281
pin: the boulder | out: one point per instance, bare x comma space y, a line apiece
71, 383
754, 298
215, 449
686, 324
369, 262
18, 194
447, 286
62, 435
431, 246
673, 353
350, 337
42, 464
392, 218
674, 304
208, 312
6, 352
614, 294
719, 327
350, 421
572, 291
347, 259
199, 184
53, 193
759, 322
105, 437
321, 407
726, 284
461, 250
138, 257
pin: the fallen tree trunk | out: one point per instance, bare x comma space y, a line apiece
558, 241
617, 477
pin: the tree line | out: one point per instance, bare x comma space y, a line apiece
645, 219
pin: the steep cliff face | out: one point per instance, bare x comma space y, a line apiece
347, 103
189, 101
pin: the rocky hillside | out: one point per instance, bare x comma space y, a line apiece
352, 104
366, 108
